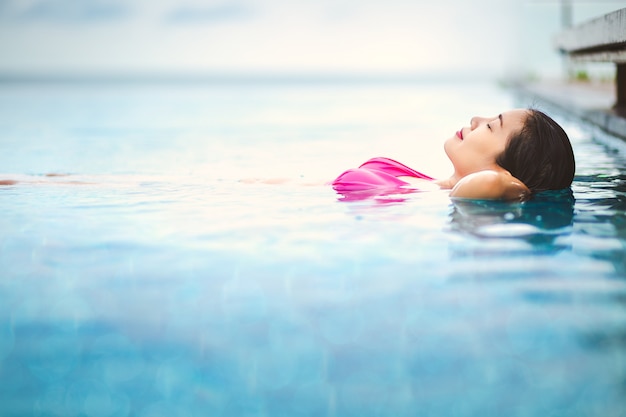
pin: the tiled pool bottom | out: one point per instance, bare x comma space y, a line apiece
162, 294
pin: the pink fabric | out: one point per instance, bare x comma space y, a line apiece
377, 173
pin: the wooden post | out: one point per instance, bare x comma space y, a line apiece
566, 23
566, 14
620, 85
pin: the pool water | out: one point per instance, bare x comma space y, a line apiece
188, 259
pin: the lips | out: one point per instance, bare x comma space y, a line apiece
460, 134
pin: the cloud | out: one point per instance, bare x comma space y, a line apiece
275, 36
211, 14
64, 11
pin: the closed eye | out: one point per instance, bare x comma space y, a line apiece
489, 126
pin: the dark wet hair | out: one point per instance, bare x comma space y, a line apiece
540, 154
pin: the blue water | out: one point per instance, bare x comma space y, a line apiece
191, 261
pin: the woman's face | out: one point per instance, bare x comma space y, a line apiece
475, 148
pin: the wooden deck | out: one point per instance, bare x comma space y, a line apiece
590, 102
602, 39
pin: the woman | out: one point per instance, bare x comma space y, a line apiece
508, 157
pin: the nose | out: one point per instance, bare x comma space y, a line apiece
477, 121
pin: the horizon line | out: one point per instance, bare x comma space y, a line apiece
236, 77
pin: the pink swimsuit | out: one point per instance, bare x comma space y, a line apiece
376, 174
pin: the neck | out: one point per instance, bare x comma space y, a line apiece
449, 183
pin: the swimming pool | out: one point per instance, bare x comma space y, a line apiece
160, 278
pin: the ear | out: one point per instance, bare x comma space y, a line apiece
490, 185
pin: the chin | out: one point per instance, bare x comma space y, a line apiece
449, 145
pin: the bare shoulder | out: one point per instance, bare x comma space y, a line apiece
490, 185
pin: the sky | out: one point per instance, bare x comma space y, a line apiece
447, 37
